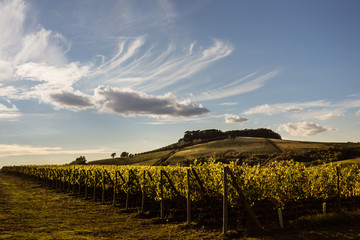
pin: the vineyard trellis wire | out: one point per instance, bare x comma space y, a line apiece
280, 183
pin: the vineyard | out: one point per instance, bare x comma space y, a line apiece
211, 190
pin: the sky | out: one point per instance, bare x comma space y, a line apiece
89, 78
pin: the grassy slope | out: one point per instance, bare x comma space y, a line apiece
302, 146
244, 145
28, 211
350, 161
142, 159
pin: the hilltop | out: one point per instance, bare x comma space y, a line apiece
250, 145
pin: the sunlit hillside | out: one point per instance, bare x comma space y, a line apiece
248, 149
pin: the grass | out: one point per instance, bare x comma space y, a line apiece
28, 211
350, 161
302, 146
244, 145
141, 159
299, 146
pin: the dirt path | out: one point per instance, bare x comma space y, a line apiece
28, 211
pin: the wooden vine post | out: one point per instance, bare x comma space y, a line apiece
143, 193
68, 182
243, 198
128, 191
53, 178
86, 183
338, 175
73, 181
115, 184
57, 180
103, 187
95, 184
161, 196
280, 216
64, 185
188, 198
81, 179
117, 173
225, 201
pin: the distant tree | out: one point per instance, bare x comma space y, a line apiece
124, 154
79, 161
113, 155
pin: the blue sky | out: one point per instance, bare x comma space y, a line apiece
96, 77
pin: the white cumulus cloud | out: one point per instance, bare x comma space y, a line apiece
231, 118
303, 128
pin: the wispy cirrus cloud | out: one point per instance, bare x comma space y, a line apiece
322, 114
246, 84
319, 110
7, 150
285, 107
228, 104
152, 69
9, 112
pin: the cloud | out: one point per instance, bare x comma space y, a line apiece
128, 102
49, 77
20, 44
228, 104
34, 60
72, 100
238, 87
285, 107
151, 69
230, 118
350, 103
7, 150
9, 112
8, 91
5, 69
303, 128
323, 114
33, 65
263, 109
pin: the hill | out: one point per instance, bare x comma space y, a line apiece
252, 150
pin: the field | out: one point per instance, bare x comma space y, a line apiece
245, 148
141, 159
28, 211
244, 145
31, 212
302, 146
350, 162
